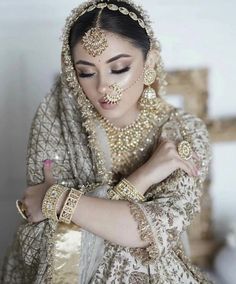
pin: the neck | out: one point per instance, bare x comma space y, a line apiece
127, 119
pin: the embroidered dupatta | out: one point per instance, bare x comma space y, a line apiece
64, 129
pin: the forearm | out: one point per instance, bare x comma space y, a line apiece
108, 219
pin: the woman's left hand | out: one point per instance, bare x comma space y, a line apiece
33, 195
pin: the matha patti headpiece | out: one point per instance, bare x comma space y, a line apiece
69, 76
94, 41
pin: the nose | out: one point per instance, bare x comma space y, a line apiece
103, 85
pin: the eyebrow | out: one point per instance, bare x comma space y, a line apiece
108, 61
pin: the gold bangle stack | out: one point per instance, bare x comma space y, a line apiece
125, 190
50, 201
70, 205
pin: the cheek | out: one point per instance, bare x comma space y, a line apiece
88, 88
134, 78
134, 86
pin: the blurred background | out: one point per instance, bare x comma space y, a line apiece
194, 34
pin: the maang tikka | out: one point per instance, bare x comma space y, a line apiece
94, 41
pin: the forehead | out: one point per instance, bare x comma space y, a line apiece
116, 45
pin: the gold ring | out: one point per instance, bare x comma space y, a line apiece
21, 209
185, 150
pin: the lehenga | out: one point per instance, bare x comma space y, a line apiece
65, 131
57, 130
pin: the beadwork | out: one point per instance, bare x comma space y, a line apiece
70, 205
94, 41
51, 198
125, 190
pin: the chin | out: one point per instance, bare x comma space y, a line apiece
110, 113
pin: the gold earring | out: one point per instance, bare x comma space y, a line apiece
115, 95
149, 96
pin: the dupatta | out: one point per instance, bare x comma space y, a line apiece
64, 129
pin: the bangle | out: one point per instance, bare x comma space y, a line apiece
112, 194
51, 198
21, 209
70, 205
126, 190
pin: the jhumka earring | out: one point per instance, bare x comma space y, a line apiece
115, 95
149, 96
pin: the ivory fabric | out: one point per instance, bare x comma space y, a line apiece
57, 133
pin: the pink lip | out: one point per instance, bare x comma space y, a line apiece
106, 105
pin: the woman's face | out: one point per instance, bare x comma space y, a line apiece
120, 63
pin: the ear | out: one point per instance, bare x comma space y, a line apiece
151, 60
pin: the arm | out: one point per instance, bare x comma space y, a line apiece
109, 219
113, 220
174, 202
118, 210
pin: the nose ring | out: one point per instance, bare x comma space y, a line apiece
114, 96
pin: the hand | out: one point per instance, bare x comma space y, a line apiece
165, 160
33, 195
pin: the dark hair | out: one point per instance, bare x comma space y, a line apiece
115, 22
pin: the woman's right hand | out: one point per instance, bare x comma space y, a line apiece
165, 160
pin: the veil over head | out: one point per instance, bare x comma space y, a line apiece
65, 130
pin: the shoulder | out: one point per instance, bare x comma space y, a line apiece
181, 122
189, 121
183, 125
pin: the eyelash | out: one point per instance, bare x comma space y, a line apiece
126, 69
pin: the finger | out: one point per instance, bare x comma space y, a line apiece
170, 143
161, 141
188, 166
30, 220
193, 166
196, 159
194, 154
190, 163
23, 206
185, 167
47, 168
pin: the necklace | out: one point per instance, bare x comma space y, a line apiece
126, 142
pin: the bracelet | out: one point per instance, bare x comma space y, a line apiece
21, 209
112, 194
51, 198
127, 191
70, 205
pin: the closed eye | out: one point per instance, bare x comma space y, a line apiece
121, 70
85, 75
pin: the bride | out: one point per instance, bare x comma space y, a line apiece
114, 172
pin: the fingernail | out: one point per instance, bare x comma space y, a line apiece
47, 163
